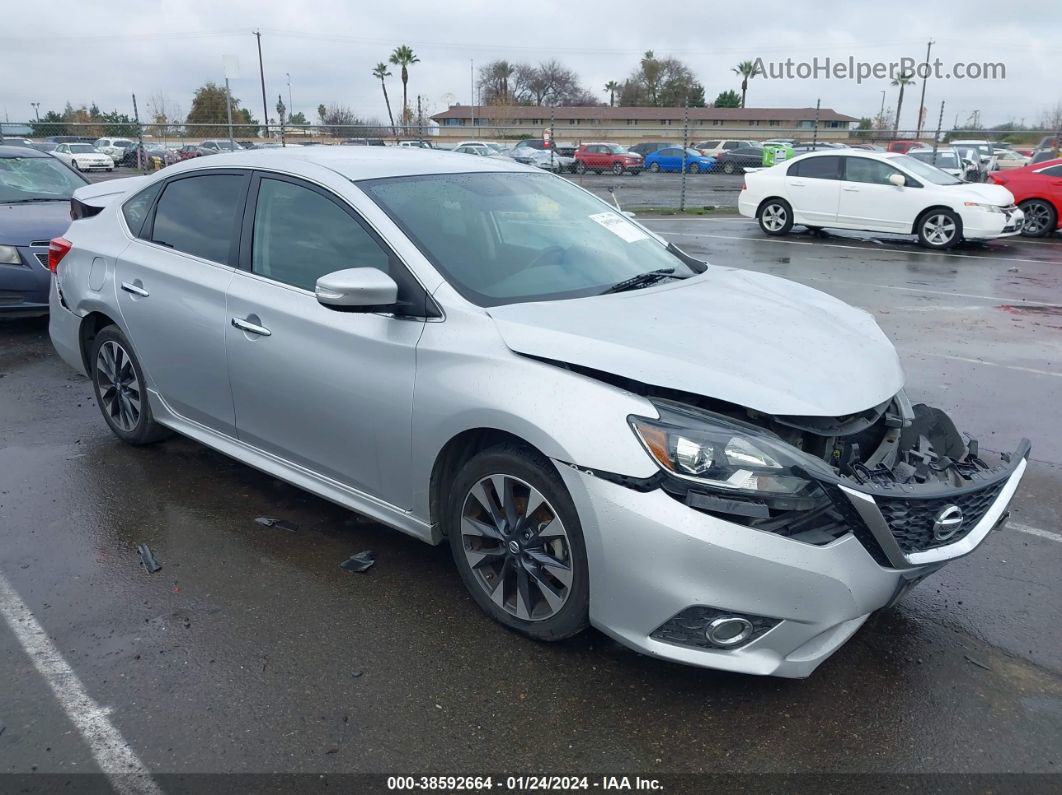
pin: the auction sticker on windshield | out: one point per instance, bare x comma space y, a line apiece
620, 226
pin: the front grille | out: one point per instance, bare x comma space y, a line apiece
911, 519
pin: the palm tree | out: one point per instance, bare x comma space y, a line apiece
746, 70
612, 87
381, 72
501, 72
903, 80
403, 56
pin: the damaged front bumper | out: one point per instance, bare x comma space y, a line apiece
669, 570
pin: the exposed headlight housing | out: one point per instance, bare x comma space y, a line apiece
726, 455
9, 256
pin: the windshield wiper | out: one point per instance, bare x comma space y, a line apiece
27, 201
641, 280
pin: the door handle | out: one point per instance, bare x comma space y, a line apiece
129, 287
250, 328
851, 190
797, 184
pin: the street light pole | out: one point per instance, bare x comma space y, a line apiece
261, 74
291, 105
882, 111
925, 78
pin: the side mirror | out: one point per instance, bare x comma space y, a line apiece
357, 290
897, 180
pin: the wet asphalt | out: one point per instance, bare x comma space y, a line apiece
251, 651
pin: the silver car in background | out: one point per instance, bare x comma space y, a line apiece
712, 466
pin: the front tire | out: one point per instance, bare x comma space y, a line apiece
654, 167
75, 165
120, 388
775, 217
1040, 218
617, 168
517, 542
580, 168
939, 229
729, 168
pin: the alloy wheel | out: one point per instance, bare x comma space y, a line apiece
939, 229
516, 547
774, 217
119, 387
1037, 218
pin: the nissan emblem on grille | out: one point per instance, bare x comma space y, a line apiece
947, 523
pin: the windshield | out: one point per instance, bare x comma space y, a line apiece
36, 179
502, 238
925, 171
942, 159
81, 149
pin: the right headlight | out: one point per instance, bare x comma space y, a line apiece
726, 455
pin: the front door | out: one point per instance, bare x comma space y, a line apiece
328, 390
870, 201
171, 283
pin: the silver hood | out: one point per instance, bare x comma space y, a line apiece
747, 338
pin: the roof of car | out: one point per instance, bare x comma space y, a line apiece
21, 151
355, 162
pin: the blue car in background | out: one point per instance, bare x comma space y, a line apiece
35, 193
670, 159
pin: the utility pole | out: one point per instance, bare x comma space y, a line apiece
815, 132
36, 108
228, 108
685, 144
925, 79
291, 104
141, 161
472, 90
936, 138
261, 74
881, 113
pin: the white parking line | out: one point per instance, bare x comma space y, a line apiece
984, 362
126, 773
1035, 531
860, 248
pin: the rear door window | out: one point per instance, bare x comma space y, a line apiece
197, 215
816, 168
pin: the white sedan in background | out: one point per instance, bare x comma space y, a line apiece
877, 192
83, 157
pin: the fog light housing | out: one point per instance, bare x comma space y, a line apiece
729, 631
711, 628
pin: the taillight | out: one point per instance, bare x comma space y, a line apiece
744, 185
58, 248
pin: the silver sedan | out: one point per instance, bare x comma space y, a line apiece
712, 466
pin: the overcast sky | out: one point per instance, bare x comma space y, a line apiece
329, 48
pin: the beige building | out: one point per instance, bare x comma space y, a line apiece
630, 125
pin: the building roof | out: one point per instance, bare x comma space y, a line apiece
621, 114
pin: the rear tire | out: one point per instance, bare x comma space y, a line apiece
655, 168
694, 168
121, 390
532, 575
617, 168
729, 168
73, 163
1041, 219
580, 167
939, 229
775, 217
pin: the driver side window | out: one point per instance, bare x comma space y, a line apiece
301, 235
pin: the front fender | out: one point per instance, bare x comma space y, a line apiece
468, 379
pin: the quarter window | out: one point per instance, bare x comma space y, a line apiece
301, 235
1054, 171
197, 215
137, 208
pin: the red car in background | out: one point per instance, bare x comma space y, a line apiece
1037, 191
607, 157
903, 147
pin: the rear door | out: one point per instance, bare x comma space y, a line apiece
171, 282
328, 390
813, 186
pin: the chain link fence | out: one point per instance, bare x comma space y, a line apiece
677, 165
